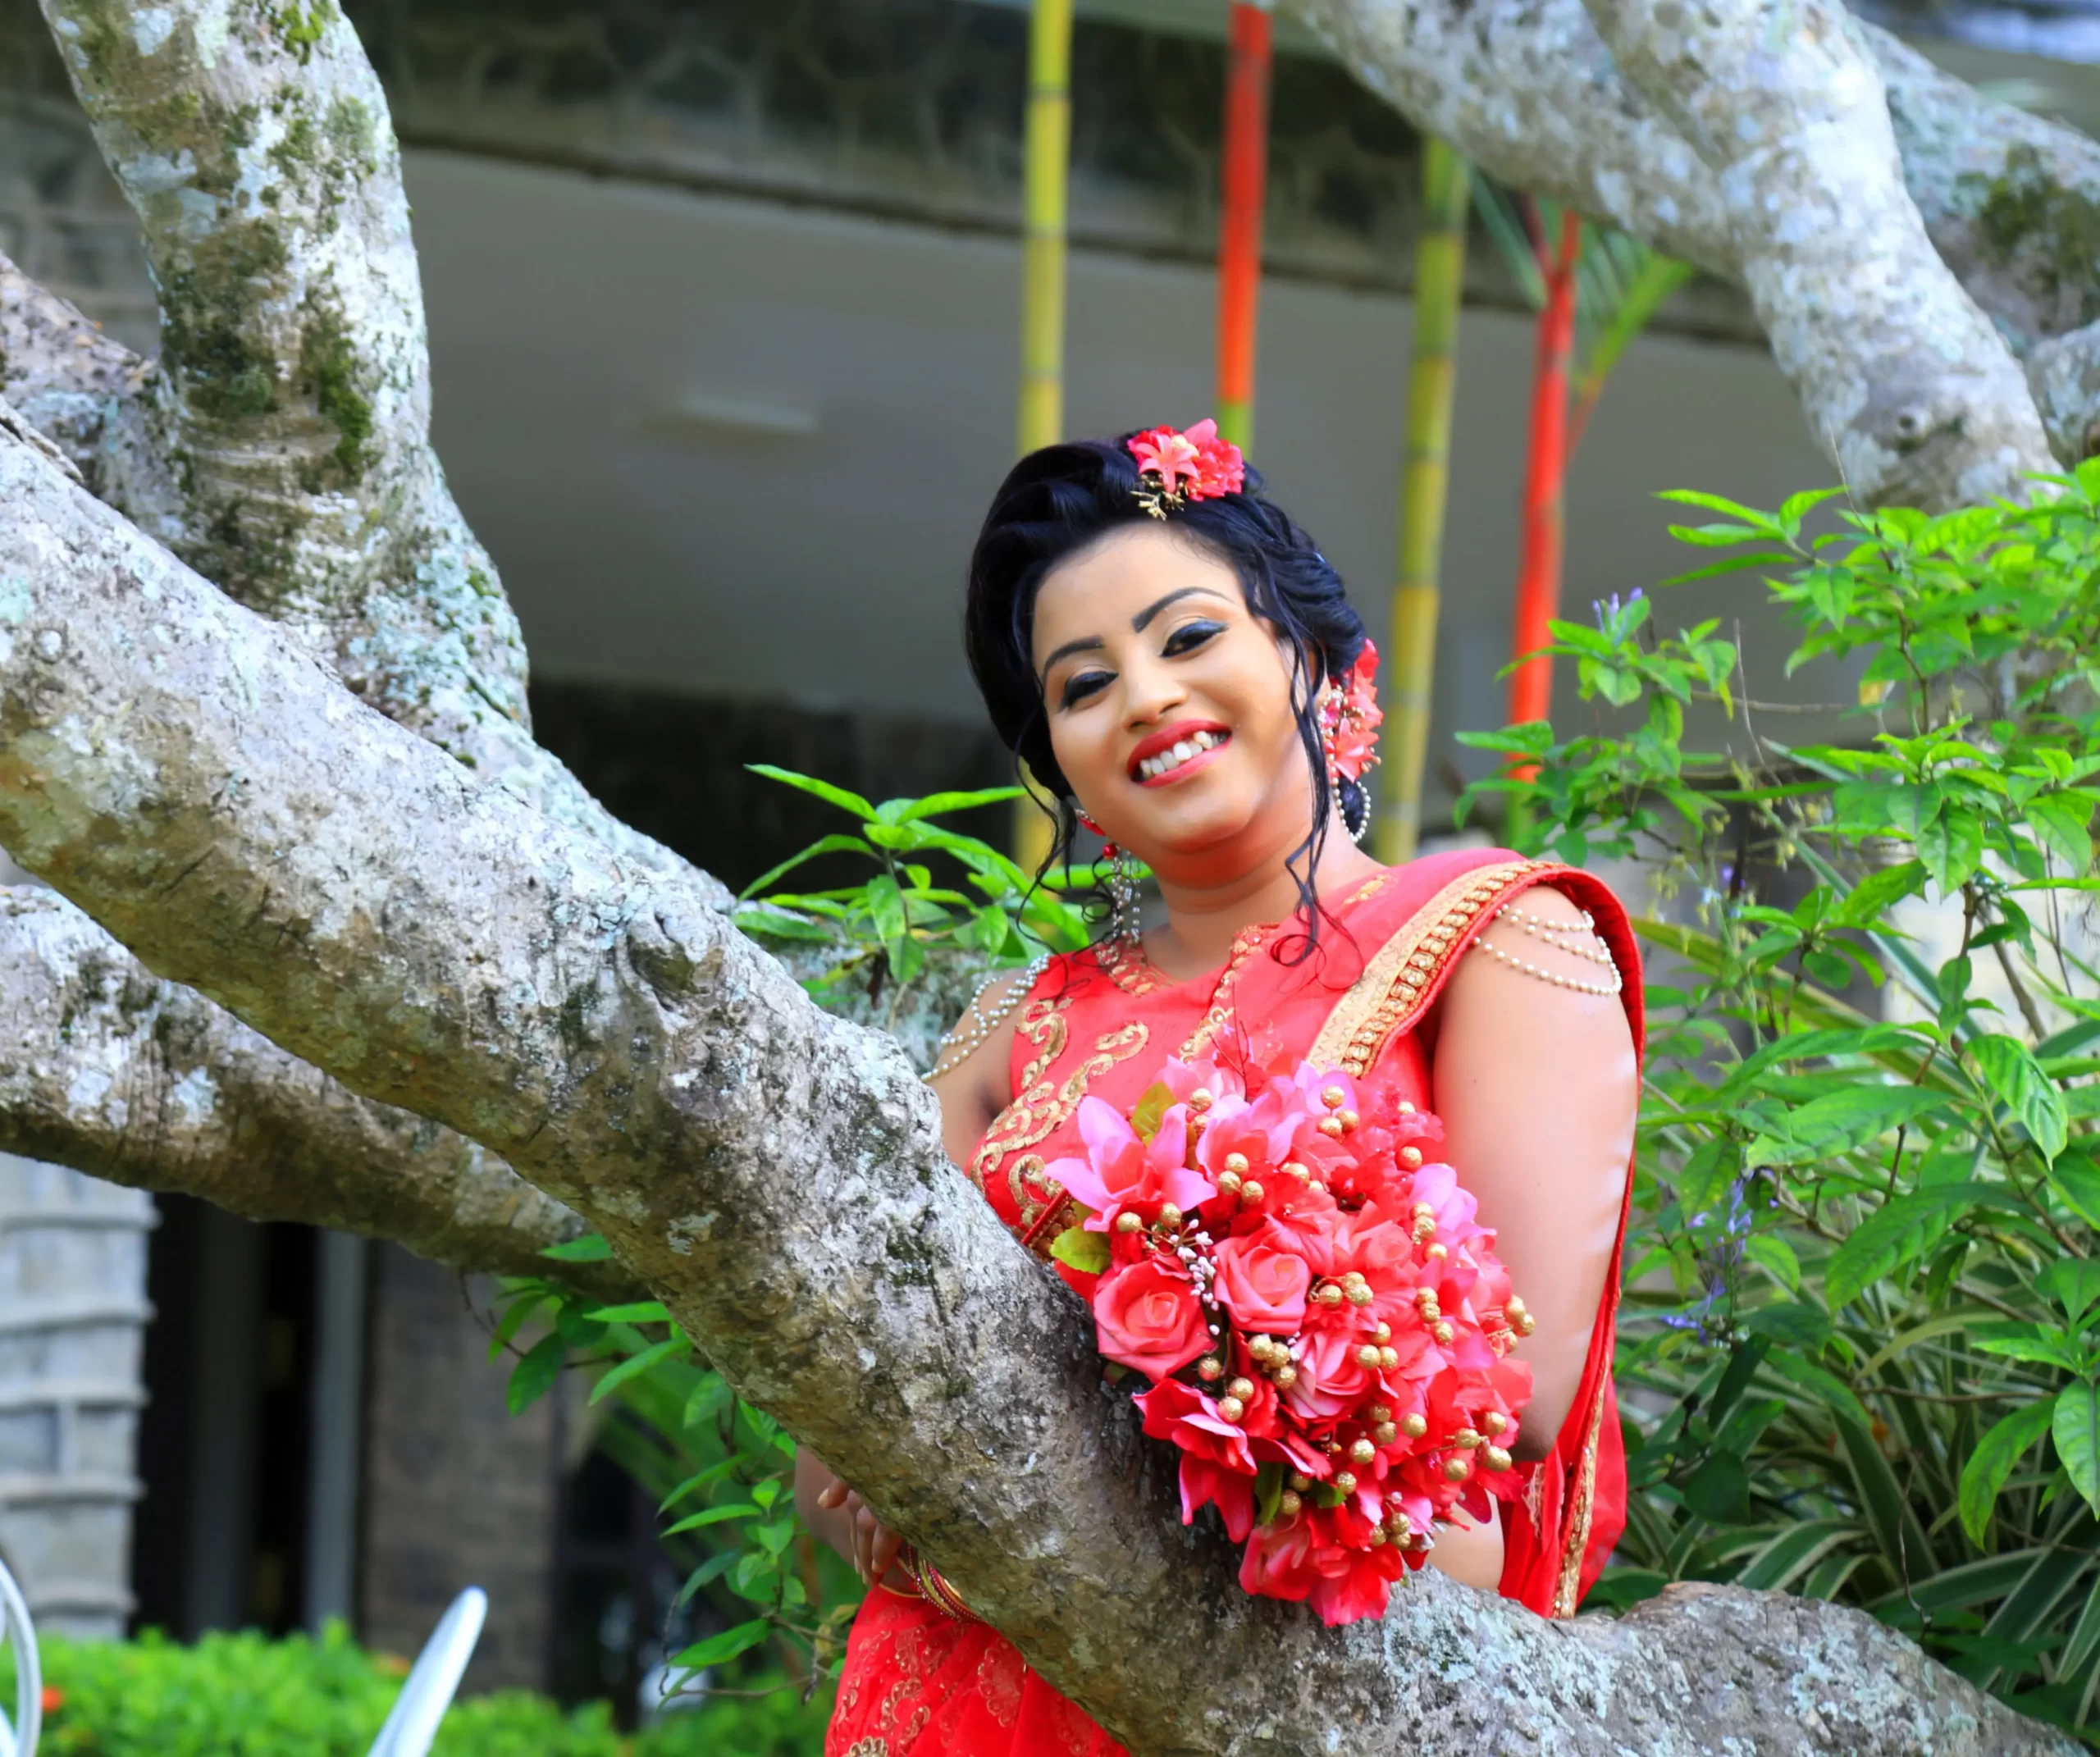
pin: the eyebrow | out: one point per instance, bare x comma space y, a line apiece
1138, 624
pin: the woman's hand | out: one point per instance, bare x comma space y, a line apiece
837, 1515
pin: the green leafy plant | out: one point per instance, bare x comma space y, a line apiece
903, 946
246, 1696
1861, 1343
892, 926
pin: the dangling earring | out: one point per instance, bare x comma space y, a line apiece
1125, 917
1125, 920
1349, 717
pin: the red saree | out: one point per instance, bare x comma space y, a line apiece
1100, 1023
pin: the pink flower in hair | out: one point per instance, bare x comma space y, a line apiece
1194, 465
1353, 717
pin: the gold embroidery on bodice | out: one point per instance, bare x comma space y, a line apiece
1041, 1105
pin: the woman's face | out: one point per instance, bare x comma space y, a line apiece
1170, 705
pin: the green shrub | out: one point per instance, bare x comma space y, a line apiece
246, 1696
1859, 1358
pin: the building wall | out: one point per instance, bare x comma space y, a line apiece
72, 1309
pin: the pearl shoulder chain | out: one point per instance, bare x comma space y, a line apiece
1563, 936
970, 1032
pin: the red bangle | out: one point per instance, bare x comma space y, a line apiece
933, 1586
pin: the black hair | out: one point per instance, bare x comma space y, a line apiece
1057, 501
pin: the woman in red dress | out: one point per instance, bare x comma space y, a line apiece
1176, 662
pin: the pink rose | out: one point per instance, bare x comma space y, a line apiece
1262, 1280
1146, 1317
1330, 1380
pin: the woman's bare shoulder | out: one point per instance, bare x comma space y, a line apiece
1540, 948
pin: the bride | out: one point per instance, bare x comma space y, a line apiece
1176, 662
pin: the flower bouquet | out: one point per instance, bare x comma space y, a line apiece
1323, 1321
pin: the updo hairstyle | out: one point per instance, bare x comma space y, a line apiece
1058, 500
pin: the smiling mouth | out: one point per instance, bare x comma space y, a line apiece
1178, 756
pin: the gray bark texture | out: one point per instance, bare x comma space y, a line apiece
145, 1083
333, 940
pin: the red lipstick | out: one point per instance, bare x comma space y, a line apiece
1158, 743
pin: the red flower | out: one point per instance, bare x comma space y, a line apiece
1262, 1280
1211, 465
1147, 1316
1187, 1416
1278, 1561
1353, 717
1352, 1582
54, 1699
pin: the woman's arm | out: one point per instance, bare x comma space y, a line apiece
1538, 1088
976, 1089
972, 1093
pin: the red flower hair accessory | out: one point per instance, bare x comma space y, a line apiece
1174, 468
1350, 717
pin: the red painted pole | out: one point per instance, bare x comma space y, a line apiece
1240, 236
1538, 577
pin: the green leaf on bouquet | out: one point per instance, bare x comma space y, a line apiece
1078, 1249
1268, 1494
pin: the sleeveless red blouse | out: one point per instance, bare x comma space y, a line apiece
1100, 1024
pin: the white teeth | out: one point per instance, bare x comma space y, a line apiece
1187, 751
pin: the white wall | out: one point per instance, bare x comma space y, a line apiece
821, 561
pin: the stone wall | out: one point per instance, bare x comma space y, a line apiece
72, 1310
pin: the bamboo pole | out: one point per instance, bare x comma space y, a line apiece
1425, 477
1545, 474
1045, 175
1246, 178
1047, 141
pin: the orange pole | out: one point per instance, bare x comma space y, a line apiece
1545, 470
1246, 170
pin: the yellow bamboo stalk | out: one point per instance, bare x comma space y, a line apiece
1045, 174
1047, 141
1425, 477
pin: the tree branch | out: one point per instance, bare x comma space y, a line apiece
1529, 89
108, 1069
293, 385
193, 778
77, 386
1900, 376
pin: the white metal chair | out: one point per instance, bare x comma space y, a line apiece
420, 1708
20, 1739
